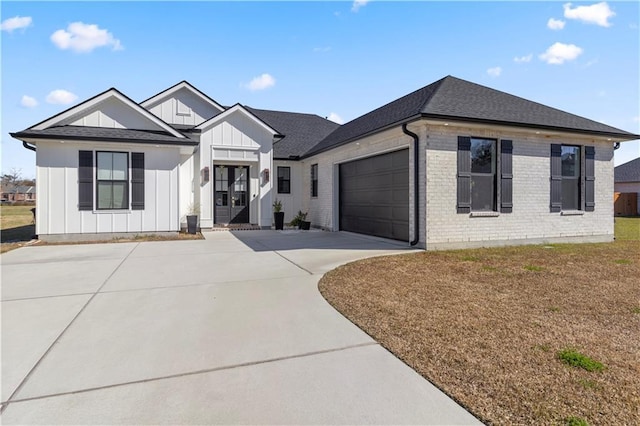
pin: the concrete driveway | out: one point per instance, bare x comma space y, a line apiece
231, 329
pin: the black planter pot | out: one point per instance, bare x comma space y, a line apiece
305, 225
192, 224
278, 217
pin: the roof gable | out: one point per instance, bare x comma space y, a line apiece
628, 172
109, 109
182, 86
237, 109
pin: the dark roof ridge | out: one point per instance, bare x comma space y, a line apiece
289, 112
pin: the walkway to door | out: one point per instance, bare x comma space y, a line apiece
227, 330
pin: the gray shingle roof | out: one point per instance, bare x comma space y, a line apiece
454, 99
628, 172
104, 134
301, 131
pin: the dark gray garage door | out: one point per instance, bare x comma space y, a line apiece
374, 195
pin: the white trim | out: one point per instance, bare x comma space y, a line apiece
170, 91
572, 213
484, 214
111, 93
236, 108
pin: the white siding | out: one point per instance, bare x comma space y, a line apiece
112, 113
238, 140
291, 203
183, 107
57, 201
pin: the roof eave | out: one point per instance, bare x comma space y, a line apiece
22, 136
626, 136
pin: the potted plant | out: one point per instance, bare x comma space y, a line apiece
192, 218
278, 214
301, 221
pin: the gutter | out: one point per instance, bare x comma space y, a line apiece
26, 145
416, 186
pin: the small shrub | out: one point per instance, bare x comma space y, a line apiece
533, 268
575, 421
576, 359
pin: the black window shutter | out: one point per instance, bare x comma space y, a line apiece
589, 178
506, 176
556, 178
464, 174
137, 181
85, 180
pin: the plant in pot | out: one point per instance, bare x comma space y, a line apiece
192, 218
301, 221
278, 214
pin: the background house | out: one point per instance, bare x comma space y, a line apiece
23, 193
627, 188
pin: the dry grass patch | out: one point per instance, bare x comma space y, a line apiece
487, 325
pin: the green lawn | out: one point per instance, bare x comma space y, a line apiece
16, 223
627, 228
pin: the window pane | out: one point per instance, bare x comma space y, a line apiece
104, 195
483, 156
571, 194
222, 182
120, 196
570, 161
105, 165
482, 193
119, 166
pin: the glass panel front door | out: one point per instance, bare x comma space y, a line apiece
231, 204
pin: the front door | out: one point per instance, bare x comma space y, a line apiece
231, 204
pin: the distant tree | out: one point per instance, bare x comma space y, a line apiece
11, 179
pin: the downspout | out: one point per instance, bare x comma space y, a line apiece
26, 145
416, 186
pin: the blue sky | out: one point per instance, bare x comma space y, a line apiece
337, 59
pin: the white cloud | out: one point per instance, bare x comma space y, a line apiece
555, 24
558, 53
261, 82
61, 97
521, 59
494, 72
322, 49
16, 23
598, 13
83, 38
357, 4
335, 118
28, 102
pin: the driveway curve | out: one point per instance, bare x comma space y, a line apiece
226, 330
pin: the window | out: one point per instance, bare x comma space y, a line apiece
284, 180
484, 175
314, 180
572, 178
112, 170
114, 182
570, 157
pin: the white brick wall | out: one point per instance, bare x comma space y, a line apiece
530, 221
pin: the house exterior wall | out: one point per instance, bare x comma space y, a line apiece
198, 109
324, 209
531, 220
238, 140
291, 203
57, 203
629, 187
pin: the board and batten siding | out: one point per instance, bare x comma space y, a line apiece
530, 220
112, 113
183, 107
57, 202
238, 140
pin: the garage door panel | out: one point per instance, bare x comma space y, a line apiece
374, 195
